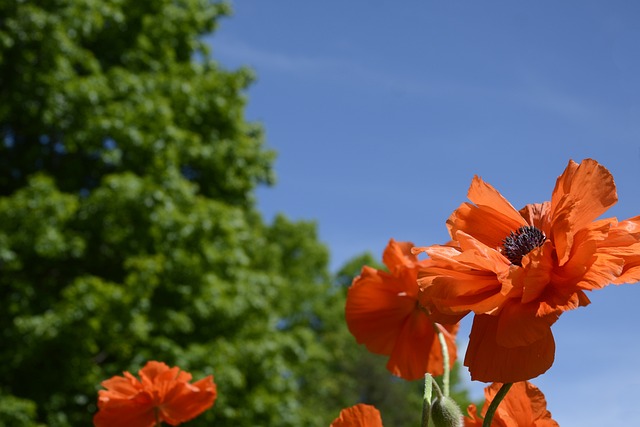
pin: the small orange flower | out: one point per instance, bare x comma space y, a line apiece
387, 312
524, 405
518, 271
162, 394
360, 415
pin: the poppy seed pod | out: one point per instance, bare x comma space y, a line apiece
446, 413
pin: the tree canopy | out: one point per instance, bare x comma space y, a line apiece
128, 225
129, 230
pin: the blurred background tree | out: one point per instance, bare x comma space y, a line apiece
129, 229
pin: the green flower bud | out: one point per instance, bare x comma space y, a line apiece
446, 413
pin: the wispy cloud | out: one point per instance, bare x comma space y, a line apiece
529, 90
238, 52
344, 70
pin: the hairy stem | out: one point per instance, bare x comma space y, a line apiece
445, 359
426, 399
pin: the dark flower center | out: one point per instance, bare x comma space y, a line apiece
522, 241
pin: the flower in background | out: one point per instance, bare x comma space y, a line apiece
518, 271
162, 394
524, 405
360, 415
387, 312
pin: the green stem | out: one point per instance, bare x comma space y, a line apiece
494, 404
157, 414
445, 359
430, 385
426, 399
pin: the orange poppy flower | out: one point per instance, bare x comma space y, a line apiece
387, 312
162, 394
360, 415
519, 270
524, 405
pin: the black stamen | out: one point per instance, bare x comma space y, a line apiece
522, 241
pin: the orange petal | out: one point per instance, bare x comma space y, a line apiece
472, 420
603, 271
524, 405
483, 194
488, 361
154, 369
184, 401
475, 279
120, 387
376, 309
128, 413
360, 415
623, 241
535, 273
436, 315
397, 256
552, 303
582, 193
538, 215
490, 220
518, 325
583, 253
418, 350
479, 256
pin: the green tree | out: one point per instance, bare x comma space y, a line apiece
129, 230
128, 225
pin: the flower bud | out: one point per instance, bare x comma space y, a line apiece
446, 413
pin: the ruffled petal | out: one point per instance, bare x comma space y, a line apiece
584, 254
153, 370
582, 193
376, 309
519, 325
489, 219
606, 269
418, 349
398, 257
488, 361
535, 274
128, 413
161, 391
538, 215
390, 315
121, 387
119, 409
484, 195
472, 420
475, 277
623, 241
524, 405
552, 303
186, 401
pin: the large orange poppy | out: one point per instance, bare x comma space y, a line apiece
162, 394
360, 415
519, 270
387, 312
524, 405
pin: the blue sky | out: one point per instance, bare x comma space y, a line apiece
382, 112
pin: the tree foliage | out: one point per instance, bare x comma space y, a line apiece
128, 226
129, 230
